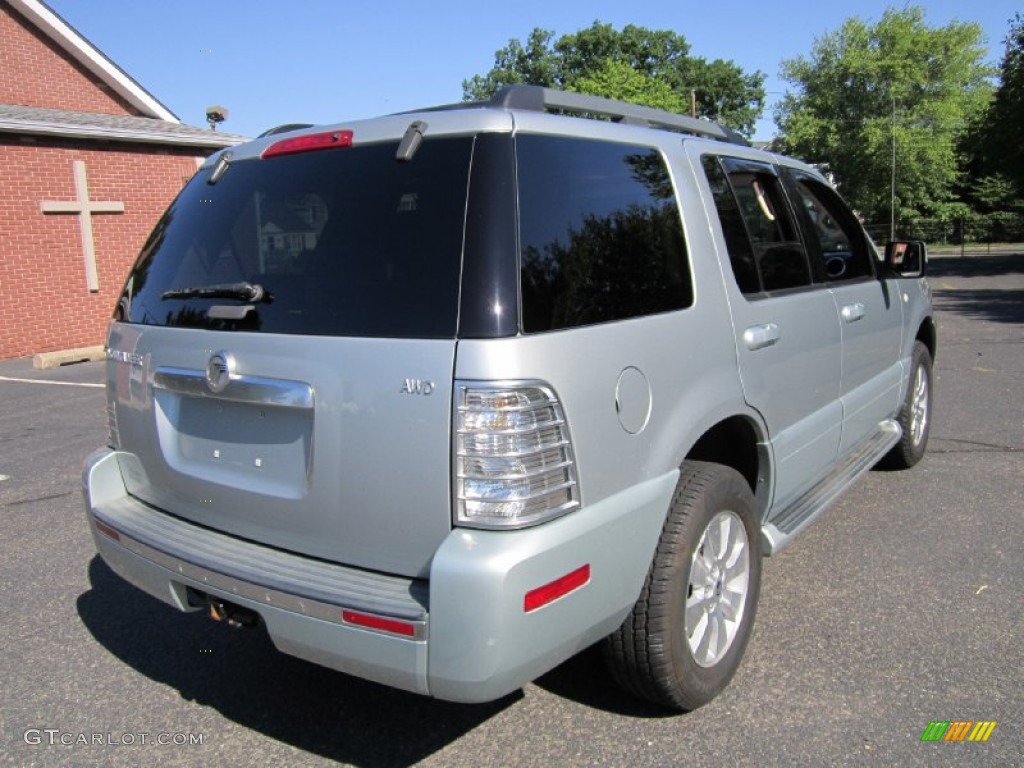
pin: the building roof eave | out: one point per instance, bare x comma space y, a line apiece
106, 134
37, 121
93, 59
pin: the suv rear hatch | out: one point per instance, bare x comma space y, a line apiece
282, 365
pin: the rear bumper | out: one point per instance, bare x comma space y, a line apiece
469, 637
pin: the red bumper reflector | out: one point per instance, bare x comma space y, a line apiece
107, 531
541, 596
394, 626
308, 143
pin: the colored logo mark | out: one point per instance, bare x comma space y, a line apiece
958, 730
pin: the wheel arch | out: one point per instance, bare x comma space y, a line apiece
927, 336
738, 442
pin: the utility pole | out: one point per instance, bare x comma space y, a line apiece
892, 192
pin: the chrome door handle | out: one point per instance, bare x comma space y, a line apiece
760, 336
852, 312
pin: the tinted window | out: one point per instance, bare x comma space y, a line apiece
346, 242
833, 230
741, 253
762, 238
600, 234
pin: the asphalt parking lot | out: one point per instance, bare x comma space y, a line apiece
902, 605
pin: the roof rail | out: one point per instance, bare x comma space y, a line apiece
538, 99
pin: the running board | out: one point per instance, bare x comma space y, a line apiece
784, 527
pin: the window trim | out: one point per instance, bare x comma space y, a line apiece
729, 164
792, 177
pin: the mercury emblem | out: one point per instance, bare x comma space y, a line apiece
218, 371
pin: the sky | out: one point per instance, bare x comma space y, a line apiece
272, 62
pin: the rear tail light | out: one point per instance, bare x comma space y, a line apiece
514, 463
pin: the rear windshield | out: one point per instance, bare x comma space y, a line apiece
346, 242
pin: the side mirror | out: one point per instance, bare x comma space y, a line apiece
907, 258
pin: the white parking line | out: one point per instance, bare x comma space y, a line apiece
50, 381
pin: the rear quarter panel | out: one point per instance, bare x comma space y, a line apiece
686, 360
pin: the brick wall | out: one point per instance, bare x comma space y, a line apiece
44, 301
35, 72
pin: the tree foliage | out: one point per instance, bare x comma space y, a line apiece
992, 194
1002, 131
616, 79
644, 66
865, 86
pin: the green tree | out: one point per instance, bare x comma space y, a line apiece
644, 66
618, 80
866, 88
993, 193
1002, 132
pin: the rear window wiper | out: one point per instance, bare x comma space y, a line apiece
241, 291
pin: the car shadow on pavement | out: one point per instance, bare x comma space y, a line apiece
1001, 306
241, 675
997, 294
977, 266
586, 680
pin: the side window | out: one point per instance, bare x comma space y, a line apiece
601, 238
741, 253
833, 230
764, 246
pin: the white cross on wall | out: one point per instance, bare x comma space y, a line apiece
85, 208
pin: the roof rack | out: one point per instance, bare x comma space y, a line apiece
538, 99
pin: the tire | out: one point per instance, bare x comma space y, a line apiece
673, 655
915, 417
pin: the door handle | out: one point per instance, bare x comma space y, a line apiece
761, 336
852, 312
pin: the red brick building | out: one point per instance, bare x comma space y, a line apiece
88, 162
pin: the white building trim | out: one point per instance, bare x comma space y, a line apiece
90, 57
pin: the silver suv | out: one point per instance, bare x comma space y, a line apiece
442, 398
